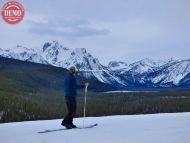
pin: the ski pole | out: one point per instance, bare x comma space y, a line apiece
85, 94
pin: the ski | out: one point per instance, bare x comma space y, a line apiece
86, 127
62, 129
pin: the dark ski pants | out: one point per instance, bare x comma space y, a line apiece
71, 107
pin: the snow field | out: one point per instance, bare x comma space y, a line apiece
153, 128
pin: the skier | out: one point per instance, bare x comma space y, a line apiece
70, 93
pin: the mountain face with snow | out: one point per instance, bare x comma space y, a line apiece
144, 73
23, 53
57, 55
176, 73
149, 73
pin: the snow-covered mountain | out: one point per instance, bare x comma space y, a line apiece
139, 67
173, 73
22, 53
147, 72
142, 66
143, 73
88, 66
57, 55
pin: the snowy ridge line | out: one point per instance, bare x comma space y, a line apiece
144, 73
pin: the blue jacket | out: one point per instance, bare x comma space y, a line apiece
70, 86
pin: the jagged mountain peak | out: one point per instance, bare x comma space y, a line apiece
141, 66
167, 62
55, 45
146, 61
20, 49
117, 65
46, 45
81, 50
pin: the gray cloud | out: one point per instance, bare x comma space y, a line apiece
69, 29
128, 29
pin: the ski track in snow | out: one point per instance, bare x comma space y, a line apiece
153, 128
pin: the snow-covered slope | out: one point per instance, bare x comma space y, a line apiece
142, 66
156, 128
24, 54
173, 73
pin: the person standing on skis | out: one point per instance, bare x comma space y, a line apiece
70, 93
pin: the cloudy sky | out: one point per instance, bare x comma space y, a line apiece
124, 30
